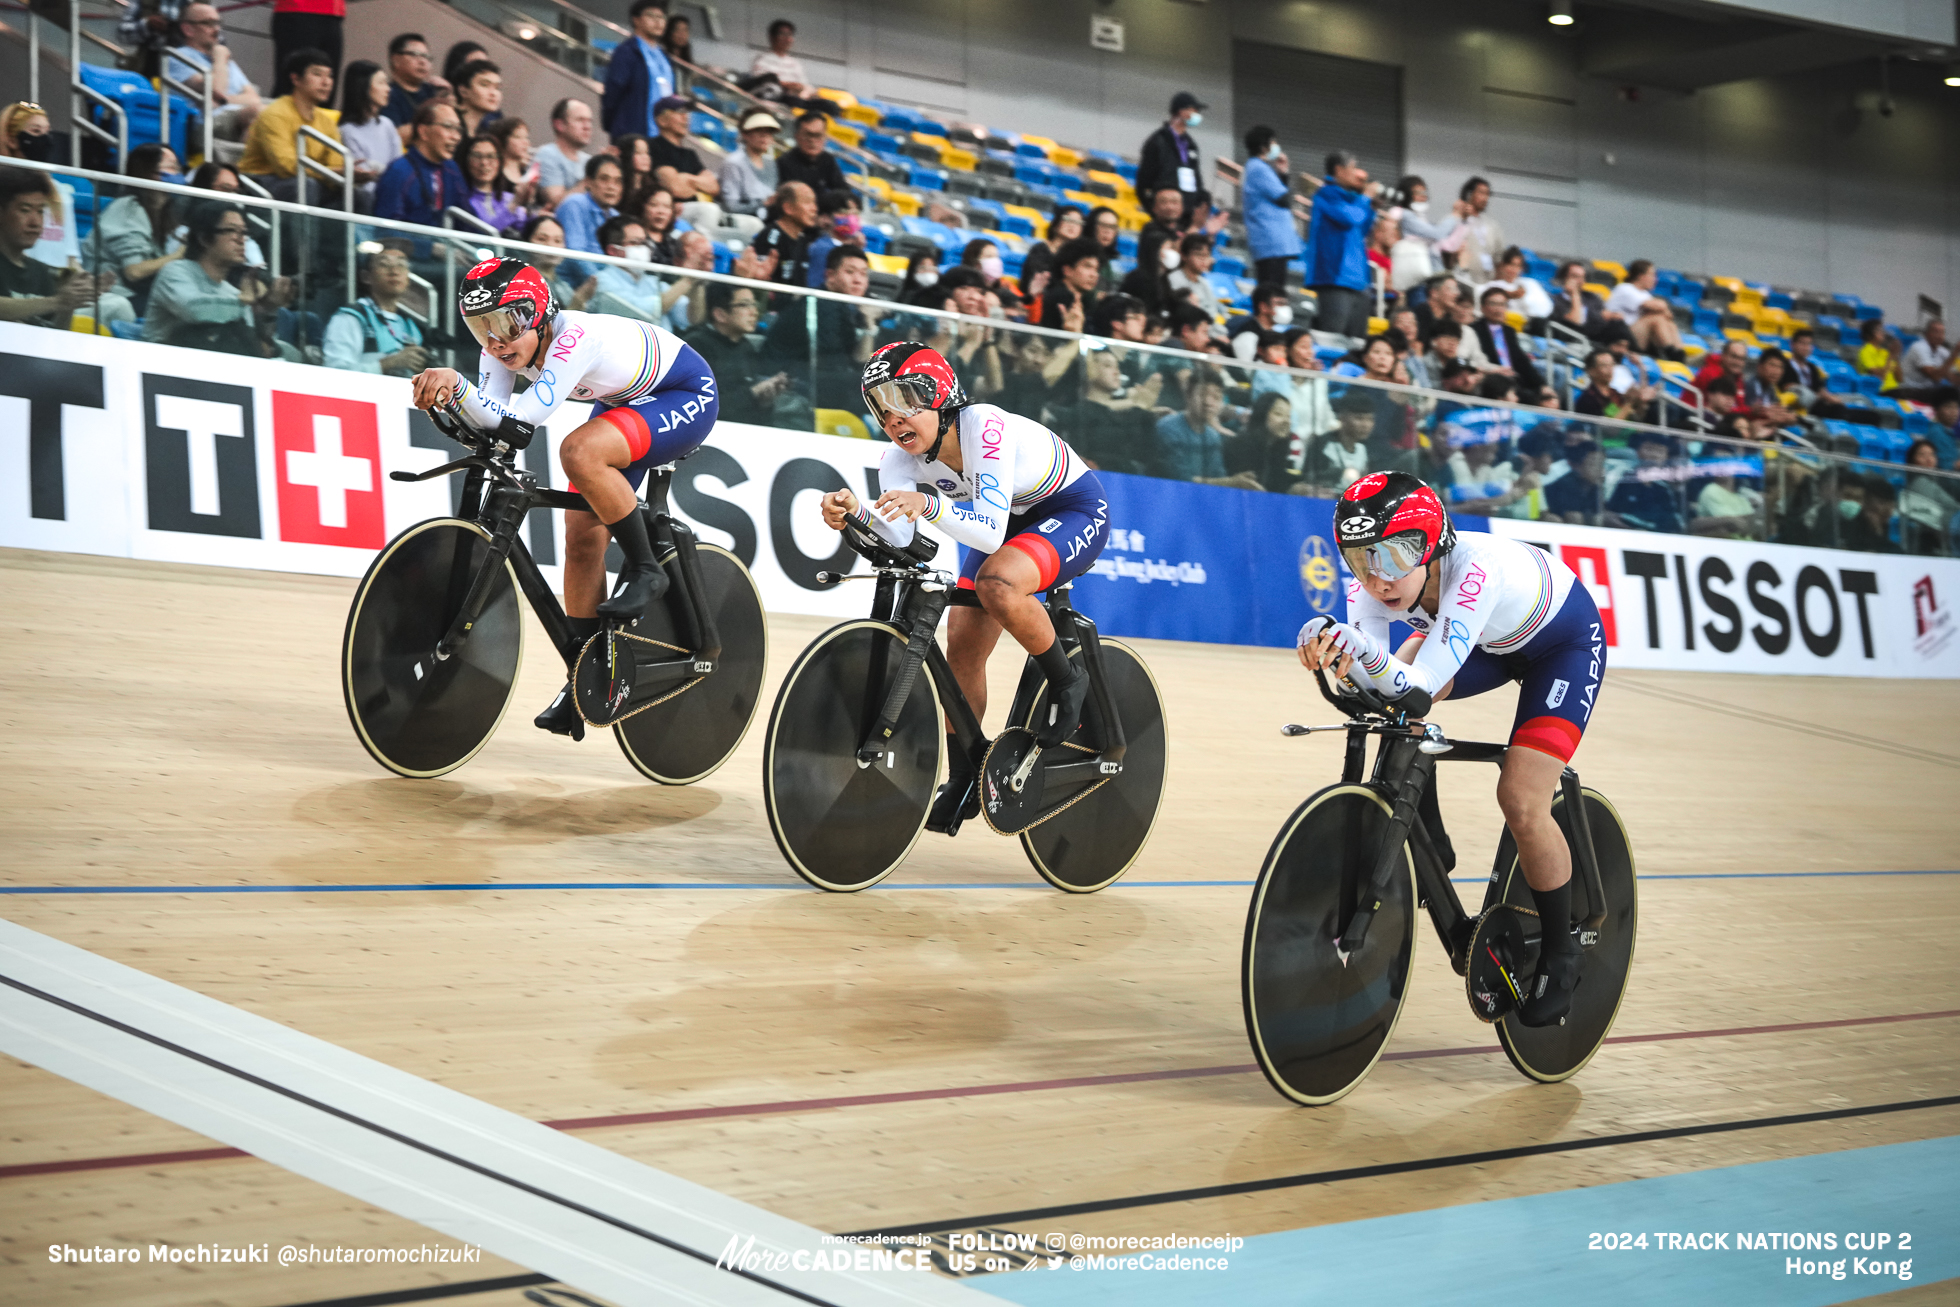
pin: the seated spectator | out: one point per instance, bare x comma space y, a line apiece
132, 236
1575, 496
1723, 414
365, 128
968, 345
422, 183
845, 334
632, 292
1064, 227
1527, 296
677, 42
582, 212
1271, 233
410, 70
1927, 365
479, 96
562, 162
491, 196
373, 334
1814, 395
1270, 312
1108, 427
1118, 317
1732, 362
1929, 505
1342, 458
1190, 279
1574, 306
1878, 355
1655, 332
1625, 299
1307, 396
634, 86
1104, 229
26, 133
194, 302
30, 290
1434, 303
983, 257
1648, 497
1071, 296
235, 101
1261, 451
543, 229
222, 178
1766, 395
811, 162
679, 169
1870, 532
1501, 344
270, 159
459, 56
783, 245
840, 221
1404, 334
1166, 226
654, 207
1375, 360
513, 140
1482, 483
1945, 435
1191, 444
1444, 345
750, 392
1602, 397
748, 176
776, 74
1722, 509
1634, 375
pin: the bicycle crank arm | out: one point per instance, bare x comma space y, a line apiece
1018, 781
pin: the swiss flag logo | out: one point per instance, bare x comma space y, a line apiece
328, 454
1589, 563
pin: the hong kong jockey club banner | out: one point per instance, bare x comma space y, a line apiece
147, 451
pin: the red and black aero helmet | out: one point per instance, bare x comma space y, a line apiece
501, 299
1389, 524
906, 377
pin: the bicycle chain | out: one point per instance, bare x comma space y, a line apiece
1066, 744
653, 703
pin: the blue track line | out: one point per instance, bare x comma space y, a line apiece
492, 886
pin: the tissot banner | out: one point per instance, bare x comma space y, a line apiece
147, 451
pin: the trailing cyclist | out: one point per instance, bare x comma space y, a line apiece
1485, 611
654, 401
1030, 512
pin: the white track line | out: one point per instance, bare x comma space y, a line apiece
459, 1166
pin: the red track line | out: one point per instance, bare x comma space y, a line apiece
962, 1091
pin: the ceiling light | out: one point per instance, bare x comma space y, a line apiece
1953, 74
1561, 14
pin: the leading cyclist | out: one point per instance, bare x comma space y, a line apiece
653, 401
1030, 512
1486, 611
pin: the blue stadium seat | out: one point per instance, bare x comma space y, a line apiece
1031, 175
993, 213
927, 179
1028, 150
1126, 244
139, 102
1231, 267
879, 143
1012, 262
1866, 385
1707, 322
1015, 223
875, 239
1780, 299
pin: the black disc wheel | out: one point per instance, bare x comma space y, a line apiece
1090, 844
1317, 1026
693, 733
420, 715
845, 825
1553, 1053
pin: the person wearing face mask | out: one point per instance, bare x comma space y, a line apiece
1158, 256
1270, 231
632, 291
921, 282
1170, 159
983, 257
24, 133
1414, 257
1270, 312
840, 223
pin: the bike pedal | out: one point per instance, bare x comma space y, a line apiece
1497, 961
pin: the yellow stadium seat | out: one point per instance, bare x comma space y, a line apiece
1737, 333
1515, 318
1599, 288
842, 99
1679, 371
906, 203
867, 182
1084, 197
841, 422
1376, 326
1063, 157
1044, 142
864, 113
1035, 216
1696, 353
1728, 283
848, 133
895, 264
1007, 240
1618, 270
958, 159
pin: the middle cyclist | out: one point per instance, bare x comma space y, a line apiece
1030, 512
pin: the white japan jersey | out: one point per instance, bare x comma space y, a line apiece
593, 357
1495, 594
1011, 463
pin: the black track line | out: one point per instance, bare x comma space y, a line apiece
1762, 718
430, 1292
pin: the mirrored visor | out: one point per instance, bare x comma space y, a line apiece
1390, 559
498, 326
900, 397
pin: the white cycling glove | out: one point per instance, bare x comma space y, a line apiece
1313, 629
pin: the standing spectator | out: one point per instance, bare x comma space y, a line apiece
1064, 227
194, 302
1576, 307
365, 129
308, 25
410, 69
422, 183
1527, 296
1268, 199
147, 28
581, 213
235, 101
269, 158
810, 162
777, 63
373, 334
513, 140
491, 195
1270, 312
1482, 239
1071, 295
1625, 299
1414, 257
1337, 246
479, 95
1927, 365
561, 164
748, 176
1170, 158
1501, 344
784, 245
1191, 444
747, 394
678, 42
634, 86
30, 290
679, 169
843, 339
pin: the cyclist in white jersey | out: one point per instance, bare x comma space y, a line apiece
1028, 511
654, 401
1485, 611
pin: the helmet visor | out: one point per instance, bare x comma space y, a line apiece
1390, 559
901, 397
501, 325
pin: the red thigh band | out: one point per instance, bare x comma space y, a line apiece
1046, 560
1553, 735
634, 427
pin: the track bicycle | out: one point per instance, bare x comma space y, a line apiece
852, 757
434, 636
1330, 932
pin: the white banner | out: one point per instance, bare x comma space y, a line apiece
1699, 604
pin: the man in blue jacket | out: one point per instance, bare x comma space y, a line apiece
422, 183
1337, 246
1269, 228
638, 75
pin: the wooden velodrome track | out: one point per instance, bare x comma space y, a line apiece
1020, 1048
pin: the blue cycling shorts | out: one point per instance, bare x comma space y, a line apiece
671, 423
1559, 672
1063, 534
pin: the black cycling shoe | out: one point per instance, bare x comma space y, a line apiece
562, 717
634, 592
947, 810
1550, 996
1064, 710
